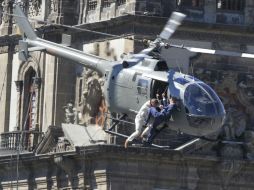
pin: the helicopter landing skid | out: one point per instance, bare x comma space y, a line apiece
121, 119
136, 144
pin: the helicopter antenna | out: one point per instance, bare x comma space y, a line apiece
165, 90
192, 70
179, 68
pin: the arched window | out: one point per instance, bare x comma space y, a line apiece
29, 101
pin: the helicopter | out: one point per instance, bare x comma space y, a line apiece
139, 77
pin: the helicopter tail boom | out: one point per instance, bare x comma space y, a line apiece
23, 23
88, 60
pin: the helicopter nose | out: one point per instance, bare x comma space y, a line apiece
202, 102
204, 109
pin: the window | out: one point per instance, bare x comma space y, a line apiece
142, 86
80, 90
191, 3
92, 4
106, 3
231, 5
121, 2
201, 100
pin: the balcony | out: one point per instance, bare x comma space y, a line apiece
230, 17
20, 140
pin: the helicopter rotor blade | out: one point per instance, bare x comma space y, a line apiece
219, 52
174, 21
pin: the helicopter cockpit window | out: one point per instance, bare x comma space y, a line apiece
142, 86
200, 100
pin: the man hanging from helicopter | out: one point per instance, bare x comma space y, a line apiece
140, 120
159, 119
161, 104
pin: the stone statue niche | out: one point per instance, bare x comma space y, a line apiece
93, 104
70, 113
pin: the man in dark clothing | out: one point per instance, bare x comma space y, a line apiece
159, 119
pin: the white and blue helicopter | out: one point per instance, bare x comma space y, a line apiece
139, 77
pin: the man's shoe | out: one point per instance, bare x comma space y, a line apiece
146, 144
126, 144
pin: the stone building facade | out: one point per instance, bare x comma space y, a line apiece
104, 167
46, 90
204, 22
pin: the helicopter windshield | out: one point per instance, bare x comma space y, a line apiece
201, 100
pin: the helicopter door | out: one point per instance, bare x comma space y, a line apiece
142, 90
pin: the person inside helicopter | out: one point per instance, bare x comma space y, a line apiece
163, 101
159, 119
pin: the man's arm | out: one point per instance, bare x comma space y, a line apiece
148, 116
154, 112
167, 111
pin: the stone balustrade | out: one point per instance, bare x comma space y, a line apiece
22, 140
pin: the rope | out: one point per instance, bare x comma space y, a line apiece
74, 27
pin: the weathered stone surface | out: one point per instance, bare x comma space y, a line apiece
84, 135
113, 167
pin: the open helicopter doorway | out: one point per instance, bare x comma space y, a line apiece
158, 87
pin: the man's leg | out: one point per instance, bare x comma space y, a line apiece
154, 132
136, 133
146, 131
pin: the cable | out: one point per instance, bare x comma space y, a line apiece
74, 27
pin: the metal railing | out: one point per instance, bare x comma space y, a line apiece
22, 140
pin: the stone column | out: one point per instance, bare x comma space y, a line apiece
113, 8
19, 88
99, 9
82, 12
85, 10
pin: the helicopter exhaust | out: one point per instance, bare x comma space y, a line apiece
90, 61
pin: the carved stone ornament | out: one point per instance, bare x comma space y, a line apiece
53, 6
5, 17
34, 8
19, 85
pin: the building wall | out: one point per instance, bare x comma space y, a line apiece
113, 167
5, 70
104, 167
14, 96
